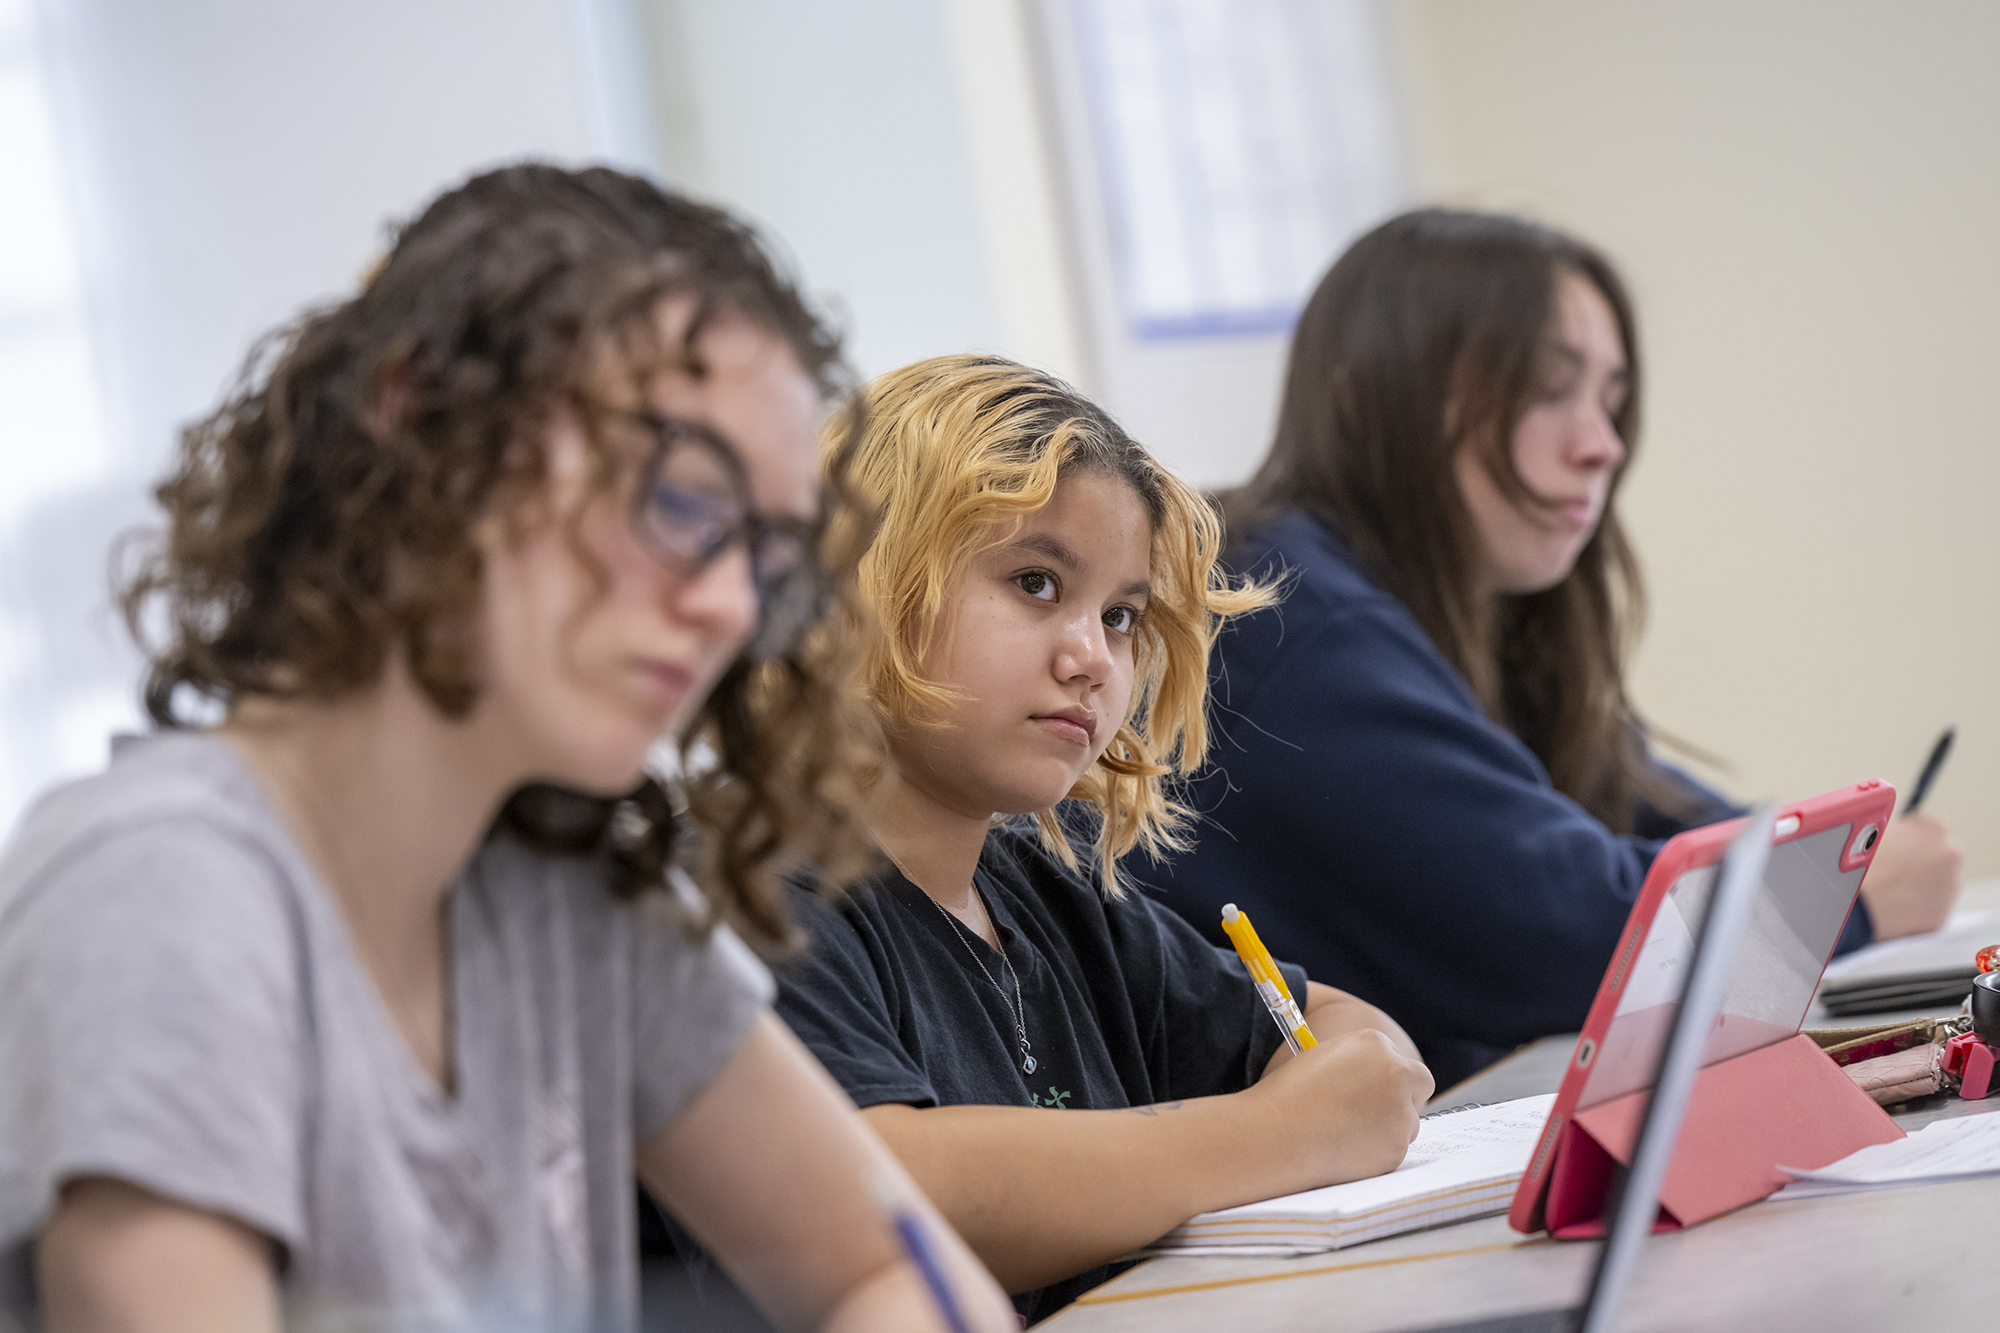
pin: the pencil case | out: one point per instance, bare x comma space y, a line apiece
1893, 1062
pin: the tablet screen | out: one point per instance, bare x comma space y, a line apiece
1797, 919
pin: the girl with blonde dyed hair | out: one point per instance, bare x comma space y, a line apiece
1069, 1071
1014, 436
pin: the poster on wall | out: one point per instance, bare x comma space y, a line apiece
1235, 146
1217, 155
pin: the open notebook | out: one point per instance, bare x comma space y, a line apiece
1463, 1164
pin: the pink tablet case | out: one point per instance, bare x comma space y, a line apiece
1768, 1098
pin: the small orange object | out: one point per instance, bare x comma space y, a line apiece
1987, 959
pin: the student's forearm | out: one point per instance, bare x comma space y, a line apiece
1333, 1013
116, 1257
898, 1299
773, 1171
1042, 1195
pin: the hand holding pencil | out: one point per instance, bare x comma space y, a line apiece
1914, 881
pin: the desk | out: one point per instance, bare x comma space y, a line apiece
1903, 1258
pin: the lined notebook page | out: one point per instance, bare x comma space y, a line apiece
1463, 1164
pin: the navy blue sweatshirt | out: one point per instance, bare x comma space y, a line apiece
1382, 831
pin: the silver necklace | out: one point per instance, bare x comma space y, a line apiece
1020, 1009
1019, 1013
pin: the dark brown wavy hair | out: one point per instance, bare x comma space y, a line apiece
313, 531
1427, 337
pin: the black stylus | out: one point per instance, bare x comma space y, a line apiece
1929, 775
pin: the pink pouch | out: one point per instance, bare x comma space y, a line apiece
1899, 1076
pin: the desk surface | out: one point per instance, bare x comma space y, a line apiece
1882, 1259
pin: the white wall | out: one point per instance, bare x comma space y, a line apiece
1024, 229
1803, 195
229, 163
926, 162
839, 129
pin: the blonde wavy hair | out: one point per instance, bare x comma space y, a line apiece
954, 448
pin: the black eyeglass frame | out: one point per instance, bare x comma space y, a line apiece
789, 601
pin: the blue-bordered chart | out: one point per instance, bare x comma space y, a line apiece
1238, 145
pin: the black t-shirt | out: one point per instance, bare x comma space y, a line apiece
1125, 1004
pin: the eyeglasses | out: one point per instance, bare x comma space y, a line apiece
693, 503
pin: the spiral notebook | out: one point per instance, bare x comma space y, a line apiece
1463, 1164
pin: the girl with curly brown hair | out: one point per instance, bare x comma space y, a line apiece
355, 995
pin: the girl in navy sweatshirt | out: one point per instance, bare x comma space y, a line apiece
1428, 784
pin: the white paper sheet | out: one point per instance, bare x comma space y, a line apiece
1942, 1150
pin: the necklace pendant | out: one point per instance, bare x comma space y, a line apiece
1027, 1064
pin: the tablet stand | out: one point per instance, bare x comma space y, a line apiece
1785, 1104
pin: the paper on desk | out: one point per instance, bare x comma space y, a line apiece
1916, 955
1515, 1124
1463, 1164
1942, 1150
1242, 1250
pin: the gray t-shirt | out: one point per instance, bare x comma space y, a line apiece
181, 1008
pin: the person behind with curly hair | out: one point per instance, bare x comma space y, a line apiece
1067, 1069
353, 996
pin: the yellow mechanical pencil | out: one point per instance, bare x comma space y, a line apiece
1270, 981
